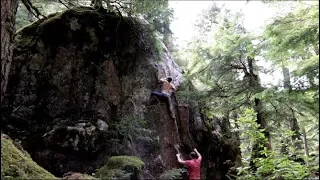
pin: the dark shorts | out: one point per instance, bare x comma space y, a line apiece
160, 95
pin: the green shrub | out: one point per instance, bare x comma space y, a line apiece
120, 167
173, 174
128, 127
270, 165
156, 45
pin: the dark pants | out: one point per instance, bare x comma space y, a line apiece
167, 99
161, 96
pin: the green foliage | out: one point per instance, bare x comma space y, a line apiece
273, 165
285, 33
16, 164
280, 166
175, 173
293, 41
128, 127
250, 129
218, 75
46, 7
156, 12
217, 67
22, 16
156, 45
120, 167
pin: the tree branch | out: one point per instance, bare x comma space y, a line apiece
32, 10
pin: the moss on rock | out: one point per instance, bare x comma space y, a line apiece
19, 165
74, 175
120, 167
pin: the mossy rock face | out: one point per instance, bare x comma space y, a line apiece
123, 167
19, 165
85, 67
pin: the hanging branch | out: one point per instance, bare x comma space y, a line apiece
97, 4
60, 1
32, 9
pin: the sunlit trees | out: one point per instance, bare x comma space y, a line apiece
293, 44
222, 67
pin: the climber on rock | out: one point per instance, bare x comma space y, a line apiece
193, 165
166, 92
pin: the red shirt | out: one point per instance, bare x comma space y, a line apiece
193, 168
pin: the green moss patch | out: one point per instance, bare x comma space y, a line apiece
78, 176
18, 165
120, 167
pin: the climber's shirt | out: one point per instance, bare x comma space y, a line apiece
193, 168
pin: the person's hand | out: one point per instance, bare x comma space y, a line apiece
178, 155
195, 150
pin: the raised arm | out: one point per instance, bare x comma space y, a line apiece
162, 80
173, 87
198, 154
179, 159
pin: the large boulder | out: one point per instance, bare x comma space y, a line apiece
17, 164
121, 167
79, 92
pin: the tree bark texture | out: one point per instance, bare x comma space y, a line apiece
284, 146
254, 82
286, 78
8, 15
294, 126
305, 140
296, 137
166, 27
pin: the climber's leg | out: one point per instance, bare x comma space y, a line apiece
158, 96
170, 106
167, 99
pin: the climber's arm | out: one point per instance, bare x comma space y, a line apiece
173, 87
198, 154
180, 160
162, 80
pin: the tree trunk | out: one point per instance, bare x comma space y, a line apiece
296, 137
305, 140
254, 83
166, 27
286, 78
294, 126
261, 119
97, 4
284, 147
8, 16
259, 108
130, 8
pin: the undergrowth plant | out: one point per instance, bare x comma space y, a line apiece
271, 165
175, 173
128, 127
